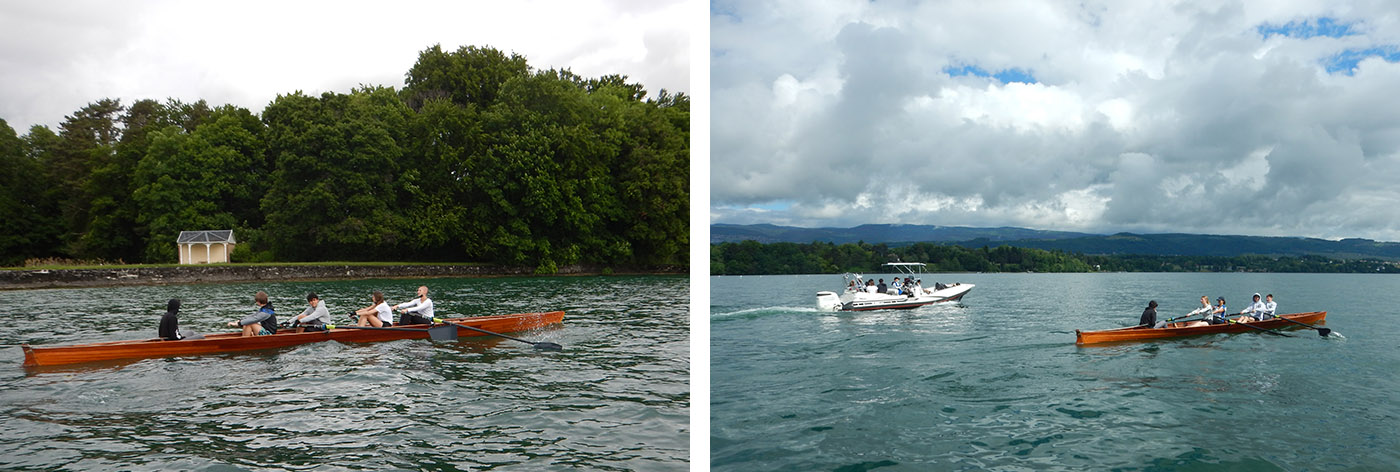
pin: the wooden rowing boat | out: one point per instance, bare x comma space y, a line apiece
35, 356
1176, 330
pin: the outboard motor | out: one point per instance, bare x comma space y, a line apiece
828, 301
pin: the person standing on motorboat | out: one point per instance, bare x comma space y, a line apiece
882, 288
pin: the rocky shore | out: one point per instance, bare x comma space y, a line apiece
194, 274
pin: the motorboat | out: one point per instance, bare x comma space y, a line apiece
859, 296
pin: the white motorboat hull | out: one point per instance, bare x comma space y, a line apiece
863, 301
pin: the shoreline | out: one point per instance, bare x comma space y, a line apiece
119, 276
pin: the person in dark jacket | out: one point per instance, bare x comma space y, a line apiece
1149, 316
262, 322
170, 323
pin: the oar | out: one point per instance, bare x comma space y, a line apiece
436, 333
1320, 331
1276, 333
538, 345
1168, 321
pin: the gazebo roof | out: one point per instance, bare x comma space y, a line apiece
213, 236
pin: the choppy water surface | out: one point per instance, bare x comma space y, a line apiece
997, 383
616, 397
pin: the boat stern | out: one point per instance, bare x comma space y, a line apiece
828, 301
29, 360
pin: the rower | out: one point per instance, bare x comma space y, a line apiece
314, 317
1269, 307
262, 322
418, 310
1256, 308
1217, 315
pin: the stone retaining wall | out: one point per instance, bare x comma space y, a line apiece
193, 274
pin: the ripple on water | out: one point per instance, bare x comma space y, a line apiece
617, 396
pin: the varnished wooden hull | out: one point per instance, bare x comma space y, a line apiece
1174, 331
233, 342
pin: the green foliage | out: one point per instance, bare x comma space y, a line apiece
751, 258
29, 228
478, 158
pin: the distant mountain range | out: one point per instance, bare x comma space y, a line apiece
1170, 244
876, 234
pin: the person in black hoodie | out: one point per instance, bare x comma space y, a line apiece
1149, 316
170, 324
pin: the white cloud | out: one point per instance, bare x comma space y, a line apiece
56, 57
1145, 116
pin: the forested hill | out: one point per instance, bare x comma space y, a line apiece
1081, 243
765, 233
1208, 245
478, 158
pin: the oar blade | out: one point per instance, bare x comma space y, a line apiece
548, 346
445, 332
1324, 331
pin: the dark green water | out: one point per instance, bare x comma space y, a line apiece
616, 398
997, 383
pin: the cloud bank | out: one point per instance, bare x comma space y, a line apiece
1273, 119
56, 57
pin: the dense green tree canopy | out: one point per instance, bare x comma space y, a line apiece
478, 158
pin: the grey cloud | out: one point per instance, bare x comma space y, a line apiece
1211, 131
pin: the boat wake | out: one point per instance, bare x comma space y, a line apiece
752, 313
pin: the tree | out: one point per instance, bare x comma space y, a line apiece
87, 142
212, 178
336, 175
29, 229
470, 76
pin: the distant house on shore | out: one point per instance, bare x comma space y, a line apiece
205, 247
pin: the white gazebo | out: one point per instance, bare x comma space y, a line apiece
205, 247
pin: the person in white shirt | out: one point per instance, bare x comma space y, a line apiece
314, 317
418, 310
1269, 307
377, 314
1257, 308
1205, 309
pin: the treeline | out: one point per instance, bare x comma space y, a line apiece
478, 158
751, 258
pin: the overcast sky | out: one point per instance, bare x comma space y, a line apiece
57, 56
1257, 118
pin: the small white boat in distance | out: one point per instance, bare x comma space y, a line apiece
857, 297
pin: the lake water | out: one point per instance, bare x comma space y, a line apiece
616, 398
997, 382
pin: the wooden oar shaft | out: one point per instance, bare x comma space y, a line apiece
542, 345
1320, 331
1168, 320
371, 327
1270, 331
